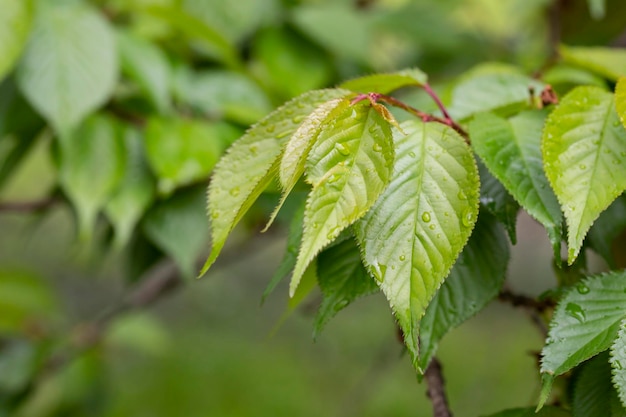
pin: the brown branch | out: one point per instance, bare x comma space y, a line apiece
535, 308
27, 206
436, 389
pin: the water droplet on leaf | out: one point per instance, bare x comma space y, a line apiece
426, 217
432, 227
461, 195
342, 149
234, 191
575, 311
468, 218
402, 257
377, 147
412, 154
582, 288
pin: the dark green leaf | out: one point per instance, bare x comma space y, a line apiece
497, 200
69, 67
618, 365
342, 279
606, 228
475, 279
349, 166
584, 156
15, 21
511, 150
178, 227
92, 164
415, 231
593, 393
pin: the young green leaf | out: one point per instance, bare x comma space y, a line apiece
148, 66
585, 322
497, 200
386, 83
178, 227
414, 232
92, 164
15, 22
593, 394
135, 192
474, 281
251, 164
620, 99
584, 156
349, 166
501, 92
183, 151
618, 364
511, 151
607, 62
342, 279
69, 67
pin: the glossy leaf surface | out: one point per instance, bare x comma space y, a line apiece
593, 393
412, 236
349, 166
584, 155
386, 83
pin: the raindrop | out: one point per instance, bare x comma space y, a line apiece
402, 257
426, 217
432, 227
333, 178
461, 195
412, 154
215, 215
283, 134
342, 149
297, 119
582, 288
379, 271
333, 233
575, 311
468, 218
270, 129
377, 147
582, 166
341, 304
253, 149
234, 191
617, 365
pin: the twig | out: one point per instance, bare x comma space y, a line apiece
27, 206
436, 389
533, 307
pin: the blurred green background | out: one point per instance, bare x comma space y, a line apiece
209, 348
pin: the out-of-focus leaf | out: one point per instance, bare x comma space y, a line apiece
69, 67
17, 365
511, 150
606, 228
342, 279
178, 226
140, 331
620, 99
568, 75
184, 151
349, 166
607, 62
413, 234
15, 21
531, 412
251, 164
497, 200
223, 94
593, 394
135, 192
585, 323
501, 92
23, 297
148, 66
91, 166
290, 64
338, 28
584, 157
386, 83
475, 279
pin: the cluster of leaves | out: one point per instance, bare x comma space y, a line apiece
401, 205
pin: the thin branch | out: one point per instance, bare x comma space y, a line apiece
27, 206
535, 308
436, 389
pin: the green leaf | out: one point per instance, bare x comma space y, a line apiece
24, 297
15, 22
386, 83
251, 163
530, 412
593, 394
569, 76
183, 151
342, 279
349, 166
584, 154
475, 279
197, 30
18, 365
135, 192
223, 94
497, 200
412, 236
620, 99
69, 67
178, 227
145, 63
597, 9
607, 228
618, 363
92, 164
511, 151
290, 64
502, 92
607, 62
585, 323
